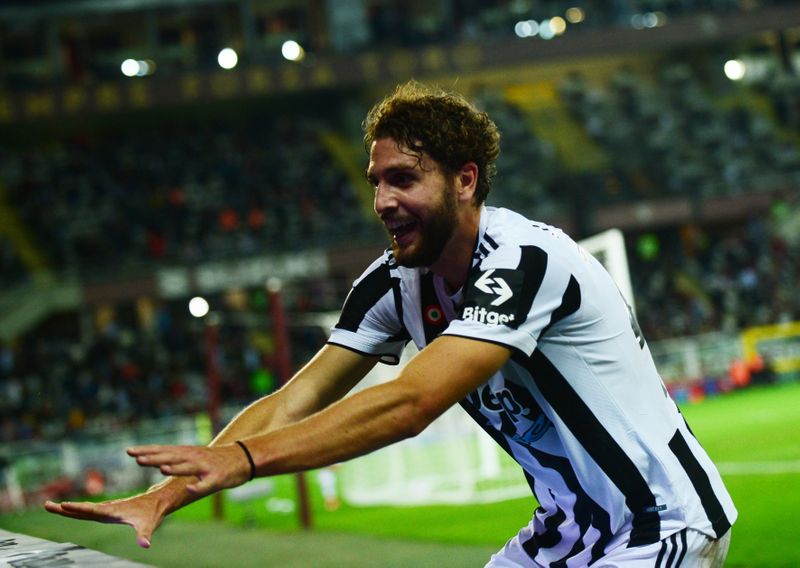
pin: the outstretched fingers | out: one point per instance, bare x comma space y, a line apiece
171, 460
101, 513
215, 468
82, 510
156, 455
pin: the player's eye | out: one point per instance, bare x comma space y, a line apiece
402, 180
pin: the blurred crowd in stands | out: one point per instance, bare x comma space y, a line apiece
45, 45
213, 190
135, 362
679, 135
696, 280
393, 24
182, 195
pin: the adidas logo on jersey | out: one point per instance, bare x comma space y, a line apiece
482, 315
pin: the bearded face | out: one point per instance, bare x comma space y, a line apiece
415, 200
419, 241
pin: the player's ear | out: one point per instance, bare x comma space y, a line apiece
467, 181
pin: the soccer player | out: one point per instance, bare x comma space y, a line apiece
517, 324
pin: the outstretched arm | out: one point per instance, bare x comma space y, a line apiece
438, 377
325, 379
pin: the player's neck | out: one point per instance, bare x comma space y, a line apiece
454, 264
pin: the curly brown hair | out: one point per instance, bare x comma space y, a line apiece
444, 125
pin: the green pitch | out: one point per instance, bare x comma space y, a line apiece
754, 436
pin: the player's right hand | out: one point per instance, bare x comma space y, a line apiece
142, 512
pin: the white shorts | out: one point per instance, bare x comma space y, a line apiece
688, 548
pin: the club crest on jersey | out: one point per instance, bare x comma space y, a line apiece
433, 314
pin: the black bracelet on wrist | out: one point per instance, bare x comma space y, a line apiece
249, 458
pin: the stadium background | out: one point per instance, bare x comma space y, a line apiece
126, 189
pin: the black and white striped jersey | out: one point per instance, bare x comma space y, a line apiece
580, 405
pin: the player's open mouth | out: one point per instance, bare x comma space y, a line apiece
402, 233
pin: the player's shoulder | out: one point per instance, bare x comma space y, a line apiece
508, 234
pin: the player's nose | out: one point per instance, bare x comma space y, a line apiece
385, 199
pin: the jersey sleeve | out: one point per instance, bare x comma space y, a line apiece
513, 296
370, 322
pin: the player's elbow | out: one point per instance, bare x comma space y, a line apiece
420, 412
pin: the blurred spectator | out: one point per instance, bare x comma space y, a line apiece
181, 195
56, 383
711, 279
673, 136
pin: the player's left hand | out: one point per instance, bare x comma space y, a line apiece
218, 467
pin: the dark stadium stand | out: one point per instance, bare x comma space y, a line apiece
679, 136
198, 192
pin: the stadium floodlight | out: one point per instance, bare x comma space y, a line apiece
735, 69
526, 28
292, 50
558, 25
546, 30
146, 67
575, 15
138, 67
198, 306
227, 58
130, 68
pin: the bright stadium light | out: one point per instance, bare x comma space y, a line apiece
292, 50
227, 58
558, 25
735, 69
546, 30
650, 20
146, 67
198, 306
575, 15
130, 68
526, 28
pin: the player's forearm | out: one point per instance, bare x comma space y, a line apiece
262, 416
383, 414
326, 378
369, 420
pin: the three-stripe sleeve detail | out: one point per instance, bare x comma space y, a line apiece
673, 550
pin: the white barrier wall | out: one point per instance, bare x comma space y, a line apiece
23, 550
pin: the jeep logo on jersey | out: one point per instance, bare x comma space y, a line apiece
521, 417
497, 286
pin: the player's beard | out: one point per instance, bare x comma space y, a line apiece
434, 233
